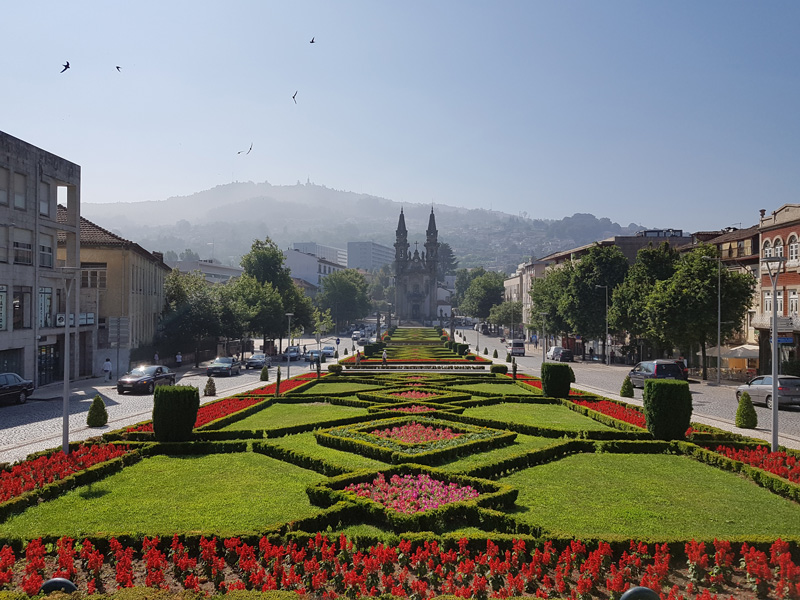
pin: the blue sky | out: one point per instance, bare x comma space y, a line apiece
679, 114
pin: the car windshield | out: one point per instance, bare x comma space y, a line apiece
257, 356
143, 371
225, 360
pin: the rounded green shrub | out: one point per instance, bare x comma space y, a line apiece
335, 369
175, 412
508, 357
265, 373
485, 350
211, 388
746, 416
499, 369
555, 380
98, 415
626, 391
495, 353
667, 408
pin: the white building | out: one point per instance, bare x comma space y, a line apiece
329, 253
308, 267
368, 255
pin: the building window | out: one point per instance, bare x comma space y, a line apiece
3, 244
22, 308
44, 198
45, 307
20, 191
4, 179
93, 278
794, 248
46, 250
793, 302
778, 248
767, 250
767, 302
3, 304
23, 247
780, 302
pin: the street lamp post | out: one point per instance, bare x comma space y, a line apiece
777, 261
289, 343
605, 342
719, 312
544, 337
69, 282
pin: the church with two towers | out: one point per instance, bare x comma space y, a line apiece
416, 276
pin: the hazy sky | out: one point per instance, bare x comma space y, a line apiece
680, 114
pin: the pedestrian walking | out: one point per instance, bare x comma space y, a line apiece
178, 360
383, 357
613, 355
358, 357
155, 358
107, 370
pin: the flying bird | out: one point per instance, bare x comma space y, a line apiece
248, 150
312, 41
295, 97
119, 69
66, 66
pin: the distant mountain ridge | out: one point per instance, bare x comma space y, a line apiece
223, 221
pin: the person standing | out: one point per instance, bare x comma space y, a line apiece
358, 357
178, 360
155, 358
107, 370
383, 357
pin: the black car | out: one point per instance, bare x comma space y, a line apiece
654, 369
145, 379
566, 356
15, 388
224, 365
257, 361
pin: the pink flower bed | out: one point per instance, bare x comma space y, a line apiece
413, 409
416, 433
414, 394
412, 494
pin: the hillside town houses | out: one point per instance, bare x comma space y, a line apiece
59, 272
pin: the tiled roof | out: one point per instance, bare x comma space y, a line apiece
738, 234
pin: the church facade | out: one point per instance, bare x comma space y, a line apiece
416, 274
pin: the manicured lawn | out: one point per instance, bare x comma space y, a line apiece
306, 443
496, 389
648, 495
227, 494
325, 387
286, 415
538, 415
523, 443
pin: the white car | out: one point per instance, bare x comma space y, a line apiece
329, 351
554, 353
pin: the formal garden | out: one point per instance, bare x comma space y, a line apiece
462, 482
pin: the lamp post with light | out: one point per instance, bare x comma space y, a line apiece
605, 343
69, 283
777, 262
289, 338
544, 337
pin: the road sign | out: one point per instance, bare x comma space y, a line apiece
337, 341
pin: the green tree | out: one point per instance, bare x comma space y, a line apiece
684, 307
483, 293
190, 311
265, 262
463, 278
447, 261
507, 313
263, 307
189, 254
546, 297
344, 293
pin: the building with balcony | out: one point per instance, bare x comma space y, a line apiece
38, 294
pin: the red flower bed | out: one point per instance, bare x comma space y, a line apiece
612, 409
537, 383
412, 494
779, 463
330, 569
414, 394
416, 433
413, 409
34, 474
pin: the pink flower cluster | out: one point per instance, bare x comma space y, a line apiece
416, 408
414, 394
416, 433
412, 494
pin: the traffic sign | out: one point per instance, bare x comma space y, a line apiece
337, 341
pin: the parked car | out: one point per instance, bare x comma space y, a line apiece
760, 390
684, 369
257, 361
654, 369
313, 355
566, 356
516, 348
224, 365
356, 335
292, 353
329, 351
15, 388
145, 379
554, 352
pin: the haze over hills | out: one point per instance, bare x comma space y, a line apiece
226, 219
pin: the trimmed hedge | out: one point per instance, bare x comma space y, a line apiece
175, 412
556, 380
667, 408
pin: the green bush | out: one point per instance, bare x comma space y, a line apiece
495, 353
667, 408
499, 369
508, 357
485, 350
265, 373
211, 388
571, 375
443, 338
462, 349
278, 383
790, 367
746, 416
335, 369
555, 380
98, 415
175, 412
626, 391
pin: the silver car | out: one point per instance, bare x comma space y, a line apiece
760, 390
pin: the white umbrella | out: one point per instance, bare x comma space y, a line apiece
745, 351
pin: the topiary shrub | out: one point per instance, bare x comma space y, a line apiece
265, 373
345, 353
211, 388
175, 412
508, 357
626, 391
485, 350
499, 369
667, 408
495, 353
443, 338
571, 375
746, 416
555, 380
98, 415
335, 369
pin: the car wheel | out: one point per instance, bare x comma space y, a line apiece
23, 398
120, 391
768, 402
738, 396
151, 387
